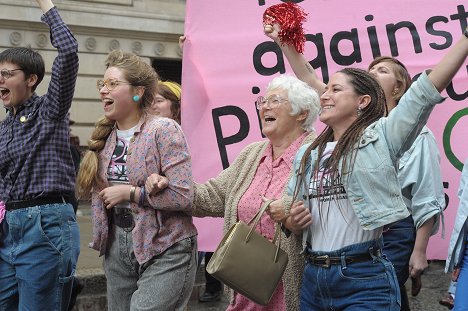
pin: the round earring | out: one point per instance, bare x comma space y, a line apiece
359, 111
136, 98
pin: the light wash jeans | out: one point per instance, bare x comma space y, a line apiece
367, 285
163, 283
39, 250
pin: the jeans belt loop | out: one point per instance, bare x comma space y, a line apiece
343, 262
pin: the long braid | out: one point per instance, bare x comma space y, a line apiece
88, 173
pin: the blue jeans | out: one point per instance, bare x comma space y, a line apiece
398, 246
163, 283
461, 298
39, 250
366, 285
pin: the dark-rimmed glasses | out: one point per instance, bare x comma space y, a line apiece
110, 84
272, 101
8, 73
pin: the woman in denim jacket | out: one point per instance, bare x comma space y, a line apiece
457, 260
348, 178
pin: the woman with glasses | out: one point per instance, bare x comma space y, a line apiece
287, 112
148, 239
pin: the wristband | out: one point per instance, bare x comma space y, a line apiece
142, 196
132, 194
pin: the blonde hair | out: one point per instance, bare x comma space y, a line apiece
138, 74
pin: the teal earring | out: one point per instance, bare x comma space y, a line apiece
136, 98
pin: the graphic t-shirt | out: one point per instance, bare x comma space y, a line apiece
334, 223
117, 169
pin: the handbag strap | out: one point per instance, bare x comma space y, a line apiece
255, 221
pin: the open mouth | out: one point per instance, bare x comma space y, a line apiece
107, 102
4, 92
269, 119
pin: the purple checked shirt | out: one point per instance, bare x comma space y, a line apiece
35, 159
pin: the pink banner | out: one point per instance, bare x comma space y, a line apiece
228, 62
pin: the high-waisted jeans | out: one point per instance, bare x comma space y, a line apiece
366, 285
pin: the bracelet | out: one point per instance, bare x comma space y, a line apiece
132, 194
141, 201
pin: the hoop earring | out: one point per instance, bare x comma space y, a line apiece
136, 98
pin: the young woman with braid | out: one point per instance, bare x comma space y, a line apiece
147, 238
348, 178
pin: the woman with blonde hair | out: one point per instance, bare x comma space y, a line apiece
148, 239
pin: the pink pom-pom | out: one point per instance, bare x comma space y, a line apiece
290, 17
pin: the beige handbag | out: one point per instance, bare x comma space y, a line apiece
249, 263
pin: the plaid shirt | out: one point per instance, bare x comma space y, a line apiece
35, 153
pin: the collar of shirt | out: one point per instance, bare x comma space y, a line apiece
287, 156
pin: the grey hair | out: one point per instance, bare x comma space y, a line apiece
301, 96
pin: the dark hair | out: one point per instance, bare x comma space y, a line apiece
363, 84
401, 73
30, 62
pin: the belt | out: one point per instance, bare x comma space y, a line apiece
325, 261
123, 218
14, 205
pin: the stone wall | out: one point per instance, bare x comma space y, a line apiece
149, 28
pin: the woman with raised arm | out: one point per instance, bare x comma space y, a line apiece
348, 179
405, 242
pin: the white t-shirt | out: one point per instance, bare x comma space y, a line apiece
334, 223
117, 169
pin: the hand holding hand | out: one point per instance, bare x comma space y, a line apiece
156, 183
299, 219
276, 210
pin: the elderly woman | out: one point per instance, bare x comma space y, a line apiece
287, 112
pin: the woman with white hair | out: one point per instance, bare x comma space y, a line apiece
261, 170
287, 112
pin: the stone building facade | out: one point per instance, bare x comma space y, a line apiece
149, 28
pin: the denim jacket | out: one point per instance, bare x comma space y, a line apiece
421, 180
372, 185
457, 241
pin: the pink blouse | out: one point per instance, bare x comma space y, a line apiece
269, 181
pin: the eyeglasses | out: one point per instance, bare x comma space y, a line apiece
109, 84
273, 101
8, 73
